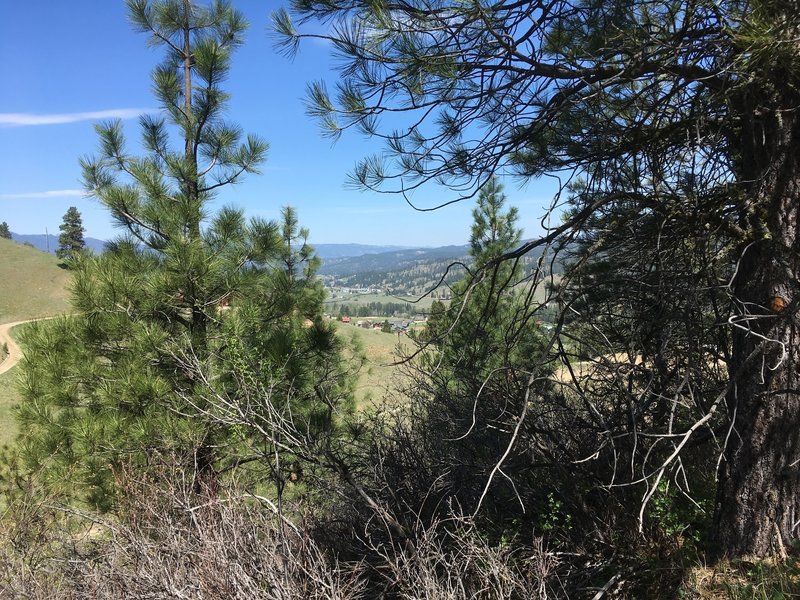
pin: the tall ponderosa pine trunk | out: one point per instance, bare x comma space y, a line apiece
204, 454
758, 496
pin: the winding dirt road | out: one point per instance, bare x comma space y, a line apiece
14, 352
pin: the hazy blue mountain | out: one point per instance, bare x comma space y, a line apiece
391, 261
42, 242
411, 271
327, 251
324, 251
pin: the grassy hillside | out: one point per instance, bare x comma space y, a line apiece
33, 285
378, 375
9, 397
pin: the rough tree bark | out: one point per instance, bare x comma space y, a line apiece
758, 495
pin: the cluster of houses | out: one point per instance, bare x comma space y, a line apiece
335, 292
397, 325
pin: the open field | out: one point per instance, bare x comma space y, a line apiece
32, 284
378, 375
9, 397
417, 304
355, 300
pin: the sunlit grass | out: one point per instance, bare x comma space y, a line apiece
378, 376
9, 397
744, 580
32, 284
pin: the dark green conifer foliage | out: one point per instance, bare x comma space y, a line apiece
493, 232
113, 382
5, 232
284, 369
70, 241
482, 366
487, 290
704, 91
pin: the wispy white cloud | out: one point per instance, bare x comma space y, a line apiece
28, 119
43, 195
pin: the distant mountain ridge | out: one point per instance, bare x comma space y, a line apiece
50, 242
411, 271
330, 251
397, 269
324, 251
392, 261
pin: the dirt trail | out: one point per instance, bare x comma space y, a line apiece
14, 352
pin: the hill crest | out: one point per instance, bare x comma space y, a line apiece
33, 283
49, 242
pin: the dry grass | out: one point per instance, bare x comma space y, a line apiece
378, 375
33, 285
9, 397
744, 580
170, 540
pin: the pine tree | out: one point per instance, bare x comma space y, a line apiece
705, 91
129, 374
70, 241
481, 370
284, 363
5, 232
493, 231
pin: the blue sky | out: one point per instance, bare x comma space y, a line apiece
67, 65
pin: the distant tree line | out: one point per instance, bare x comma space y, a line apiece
415, 280
375, 309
